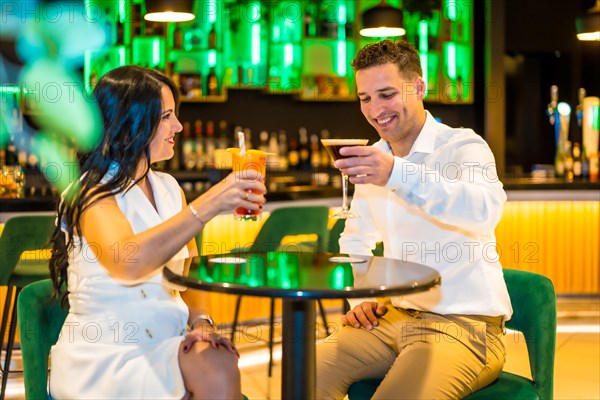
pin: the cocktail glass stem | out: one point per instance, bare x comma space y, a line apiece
345, 211
345, 194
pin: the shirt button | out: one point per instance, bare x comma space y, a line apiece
143, 294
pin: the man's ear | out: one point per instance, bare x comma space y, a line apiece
420, 84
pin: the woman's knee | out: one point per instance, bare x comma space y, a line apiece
206, 363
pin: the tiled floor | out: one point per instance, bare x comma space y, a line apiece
576, 373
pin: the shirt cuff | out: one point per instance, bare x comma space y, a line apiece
405, 176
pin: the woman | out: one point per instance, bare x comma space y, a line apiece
126, 333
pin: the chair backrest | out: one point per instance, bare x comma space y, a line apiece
534, 314
334, 239
287, 221
20, 234
334, 236
40, 320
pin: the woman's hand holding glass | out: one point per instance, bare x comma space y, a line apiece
238, 189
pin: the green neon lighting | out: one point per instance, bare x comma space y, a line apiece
451, 60
156, 52
212, 6
596, 117
341, 58
276, 33
255, 43
212, 58
451, 10
342, 13
337, 277
122, 54
9, 89
423, 32
288, 54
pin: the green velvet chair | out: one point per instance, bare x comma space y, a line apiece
287, 221
20, 234
534, 314
40, 322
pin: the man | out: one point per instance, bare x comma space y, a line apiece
431, 194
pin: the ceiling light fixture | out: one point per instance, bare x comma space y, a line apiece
588, 25
169, 10
382, 20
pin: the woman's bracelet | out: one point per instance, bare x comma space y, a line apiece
195, 214
202, 317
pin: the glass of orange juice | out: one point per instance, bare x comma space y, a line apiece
251, 159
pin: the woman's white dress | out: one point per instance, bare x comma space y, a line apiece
121, 339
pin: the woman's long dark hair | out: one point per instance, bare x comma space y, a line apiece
130, 101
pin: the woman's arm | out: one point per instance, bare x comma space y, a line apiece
131, 256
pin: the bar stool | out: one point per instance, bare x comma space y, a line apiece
20, 234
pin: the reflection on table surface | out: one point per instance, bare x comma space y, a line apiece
324, 275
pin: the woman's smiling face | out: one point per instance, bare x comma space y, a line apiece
161, 146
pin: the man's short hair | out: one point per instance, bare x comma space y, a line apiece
387, 51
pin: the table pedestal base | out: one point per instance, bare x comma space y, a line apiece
298, 350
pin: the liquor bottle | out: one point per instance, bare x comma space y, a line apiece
223, 140
175, 161
188, 148
264, 141
304, 149
17, 116
585, 163
210, 144
273, 149
175, 77
212, 38
283, 159
2, 155
11, 153
577, 164
23, 145
310, 16
559, 161
211, 83
568, 159
177, 38
248, 138
325, 158
315, 152
236, 139
594, 167
293, 156
199, 145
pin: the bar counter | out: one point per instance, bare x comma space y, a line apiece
517, 189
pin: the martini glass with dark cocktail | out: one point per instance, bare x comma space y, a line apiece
333, 147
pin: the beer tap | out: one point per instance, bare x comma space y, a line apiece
552, 113
579, 109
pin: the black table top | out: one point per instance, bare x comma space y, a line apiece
309, 275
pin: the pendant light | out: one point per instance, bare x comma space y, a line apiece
588, 25
382, 20
169, 10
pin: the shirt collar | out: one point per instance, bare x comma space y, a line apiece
425, 142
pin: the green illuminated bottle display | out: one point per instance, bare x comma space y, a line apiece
302, 47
